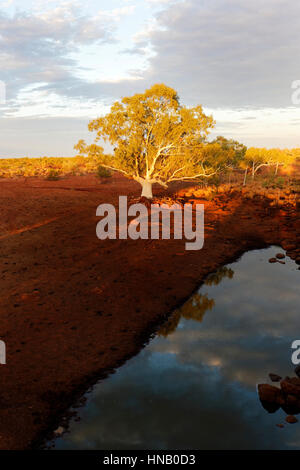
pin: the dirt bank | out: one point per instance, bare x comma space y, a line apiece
73, 307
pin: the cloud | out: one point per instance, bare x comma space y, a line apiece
40, 47
227, 52
221, 53
228, 55
162, 2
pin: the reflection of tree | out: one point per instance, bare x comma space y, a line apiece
216, 278
193, 309
197, 305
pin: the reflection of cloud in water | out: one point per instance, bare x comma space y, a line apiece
254, 335
194, 386
168, 405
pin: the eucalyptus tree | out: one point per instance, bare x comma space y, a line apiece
155, 139
257, 158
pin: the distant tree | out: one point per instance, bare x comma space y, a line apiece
155, 139
257, 158
283, 158
230, 145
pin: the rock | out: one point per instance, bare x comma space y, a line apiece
270, 407
272, 260
271, 397
297, 370
291, 419
280, 425
280, 256
292, 405
294, 380
288, 246
275, 377
289, 388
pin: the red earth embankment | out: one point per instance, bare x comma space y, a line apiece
73, 307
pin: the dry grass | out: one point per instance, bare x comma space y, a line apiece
280, 190
47, 167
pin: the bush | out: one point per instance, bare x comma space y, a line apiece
103, 172
274, 182
53, 175
215, 181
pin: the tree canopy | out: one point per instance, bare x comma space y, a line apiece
256, 158
155, 139
235, 150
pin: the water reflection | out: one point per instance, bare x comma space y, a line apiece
194, 385
197, 305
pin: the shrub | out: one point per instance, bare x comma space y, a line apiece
274, 182
103, 172
53, 175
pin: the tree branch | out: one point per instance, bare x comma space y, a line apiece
205, 175
116, 169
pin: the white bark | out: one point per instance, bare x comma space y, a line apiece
245, 177
147, 189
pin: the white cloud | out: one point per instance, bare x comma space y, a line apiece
39, 47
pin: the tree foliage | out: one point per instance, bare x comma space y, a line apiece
256, 158
155, 139
235, 150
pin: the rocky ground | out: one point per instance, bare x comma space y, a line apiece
74, 307
287, 396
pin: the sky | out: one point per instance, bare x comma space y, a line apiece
64, 63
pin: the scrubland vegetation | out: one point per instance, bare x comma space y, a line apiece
47, 167
158, 140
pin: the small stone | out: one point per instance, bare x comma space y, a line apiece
275, 377
280, 256
270, 397
272, 260
280, 425
59, 430
291, 419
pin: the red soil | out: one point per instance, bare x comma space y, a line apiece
74, 307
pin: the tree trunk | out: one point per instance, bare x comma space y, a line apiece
276, 170
229, 177
253, 170
146, 189
245, 177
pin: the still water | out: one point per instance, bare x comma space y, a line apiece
194, 385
